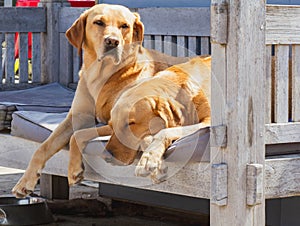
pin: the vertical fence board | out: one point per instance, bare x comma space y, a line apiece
205, 45
295, 83
167, 45
147, 42
76, 65
10, 58
36, 57
281, 76
192, 46
2, 56
23, 57
66, 61
181, 48
268, 85
158, 43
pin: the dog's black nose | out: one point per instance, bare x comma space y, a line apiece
111, 42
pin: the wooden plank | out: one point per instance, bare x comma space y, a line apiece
167, 45
148, 42
281, 81
197, 19
2, 54
268, 85
23, 57
180, 45
204, 45
66, 61
36, 57
192, 46
244, 102
158, 43
282, 176
219, 15
295, 83
67, 16
18, 19
10, 58
76, 65
282, 133
282, 24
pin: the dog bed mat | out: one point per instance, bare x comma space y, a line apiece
37, 126
53, 98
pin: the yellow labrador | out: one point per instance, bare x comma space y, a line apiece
113, 58
149, 116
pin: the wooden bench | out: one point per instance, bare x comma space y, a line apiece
247, 122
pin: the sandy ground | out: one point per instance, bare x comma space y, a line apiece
87, 208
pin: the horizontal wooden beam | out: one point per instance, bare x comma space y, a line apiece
282, 173
278, 133
18, 19
282, 24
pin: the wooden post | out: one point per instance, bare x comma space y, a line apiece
238, 70
50, 41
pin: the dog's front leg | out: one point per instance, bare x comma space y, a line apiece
57, 140
151, 162
78, 142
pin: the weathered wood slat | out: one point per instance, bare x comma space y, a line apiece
282, 176
2, 54
67, 17
281, 89
168, 45
282, 24
268, 85
18, 19
176, 21
181, 47
147, 42
23, 57
36, 57
10, 58
76, 65
158, 40
277, 133
66, 61
204, 45
295, 83
192, 46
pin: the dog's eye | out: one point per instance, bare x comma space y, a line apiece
99, 22
124, 26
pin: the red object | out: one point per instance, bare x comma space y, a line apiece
34, 3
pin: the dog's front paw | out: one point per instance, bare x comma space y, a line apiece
75, 174
25, 186
151, 164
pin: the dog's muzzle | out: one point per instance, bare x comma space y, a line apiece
111, 43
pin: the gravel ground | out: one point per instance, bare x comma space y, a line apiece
86, 208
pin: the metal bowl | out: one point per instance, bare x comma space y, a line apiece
26, 211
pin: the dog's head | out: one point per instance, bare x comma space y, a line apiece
105, 30
135, 123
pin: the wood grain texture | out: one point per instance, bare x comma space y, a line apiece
19, 19
277, 133
282, 24
295, 80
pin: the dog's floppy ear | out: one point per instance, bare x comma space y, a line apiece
138, 29
75, 34
169, 110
